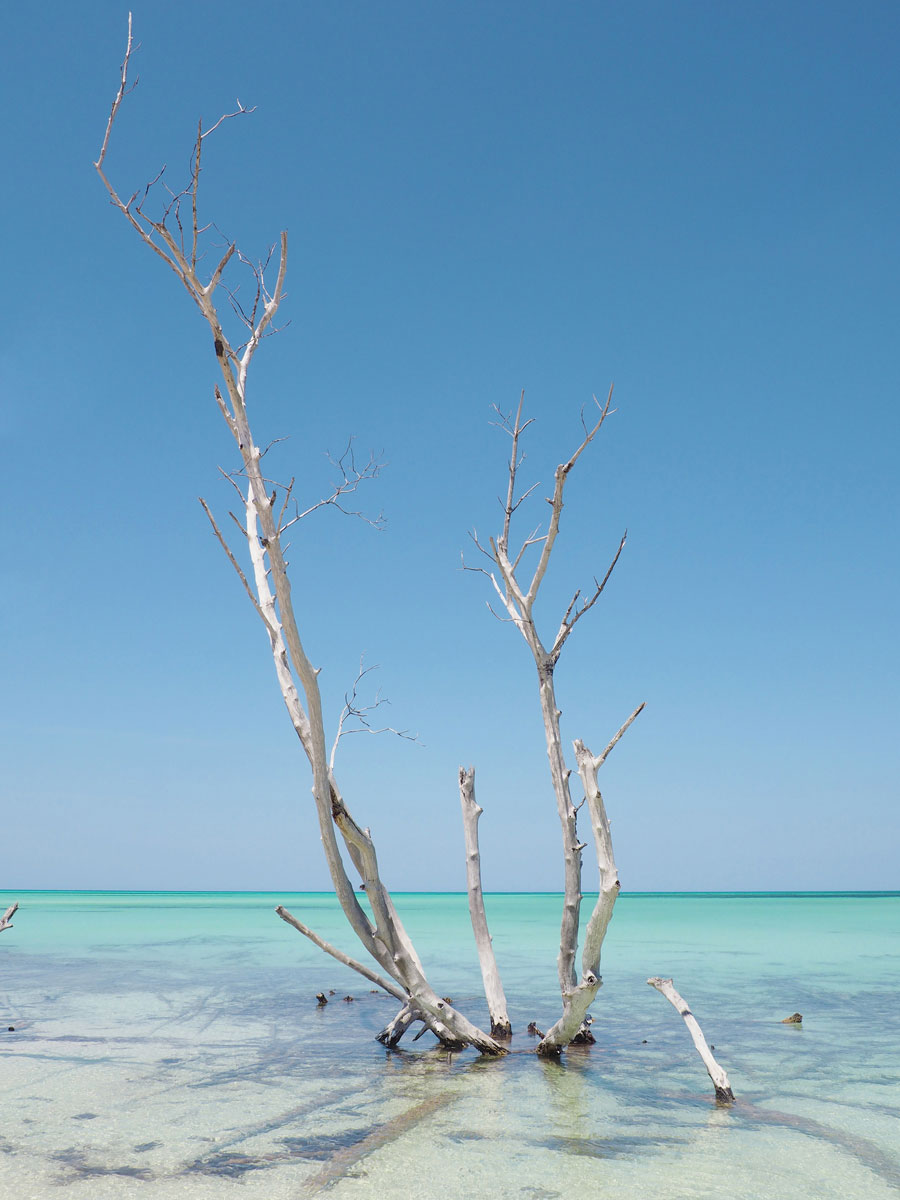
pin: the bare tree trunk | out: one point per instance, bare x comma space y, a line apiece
577, 1002
579, 997
493, 987
6, 919
716, 1073
572, 847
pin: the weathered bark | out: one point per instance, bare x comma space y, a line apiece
6, 919
493, 987
395, 1029
568, 820
716, 1073
180, 247
576, 1002
578, 998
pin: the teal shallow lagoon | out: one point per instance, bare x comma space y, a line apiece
169, 1045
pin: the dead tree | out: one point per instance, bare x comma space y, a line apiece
517, 590
177, 235
6, 919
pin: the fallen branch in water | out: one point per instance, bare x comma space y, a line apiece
716, 1073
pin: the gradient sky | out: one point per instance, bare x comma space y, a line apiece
695, 200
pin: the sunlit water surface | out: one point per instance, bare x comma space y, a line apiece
170, 1045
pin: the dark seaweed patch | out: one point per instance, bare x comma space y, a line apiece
321, 1148
74, 1160
233, 1166
310, 1149
620, 1147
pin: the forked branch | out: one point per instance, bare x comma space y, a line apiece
518, 597
576, 611
355, 710
556, 503
352, 477
579, 998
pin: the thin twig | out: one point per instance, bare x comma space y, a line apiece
358, 712
566, 626
601, 759
234, 562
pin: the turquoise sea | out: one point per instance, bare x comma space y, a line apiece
170, 1045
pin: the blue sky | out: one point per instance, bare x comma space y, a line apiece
696, 201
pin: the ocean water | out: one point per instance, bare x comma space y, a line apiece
170, 1045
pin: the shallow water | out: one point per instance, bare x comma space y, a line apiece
169, 1045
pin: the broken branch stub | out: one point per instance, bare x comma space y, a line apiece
493, 987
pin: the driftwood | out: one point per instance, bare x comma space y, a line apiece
719, 1079
6, 919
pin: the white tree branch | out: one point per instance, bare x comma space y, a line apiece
395, 1028
352, 477
567, 624
341, 957
601, 758
493, 986
6, 919
120, 95
716, 1073
556, 503
237, 566
353, 710
577, 1001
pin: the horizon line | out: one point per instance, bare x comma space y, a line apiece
120, 891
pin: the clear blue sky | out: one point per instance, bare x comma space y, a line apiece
696, 200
